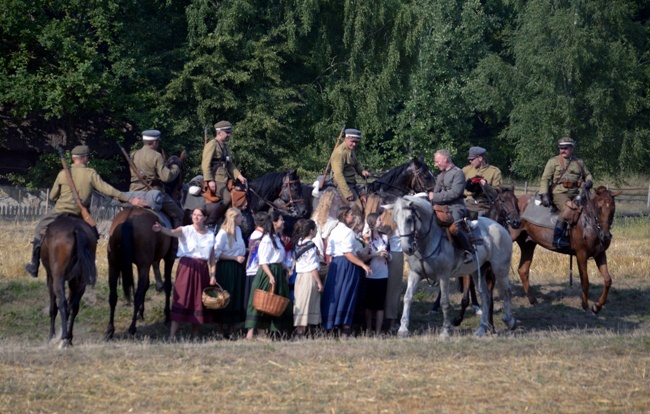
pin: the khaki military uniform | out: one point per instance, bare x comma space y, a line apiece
562, 179
345, 168
151, 165
85, 181
478, 201
217, 166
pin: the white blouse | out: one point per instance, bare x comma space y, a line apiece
309, 260
222, 245
194, 244
341, 241
378, 264
267, 254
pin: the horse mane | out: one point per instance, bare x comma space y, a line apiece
389, 178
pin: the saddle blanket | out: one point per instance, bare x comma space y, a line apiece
154, 199
539, 215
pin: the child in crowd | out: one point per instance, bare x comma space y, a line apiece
376, 282
308, 285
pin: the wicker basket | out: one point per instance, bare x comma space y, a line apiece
268, 302
215, 297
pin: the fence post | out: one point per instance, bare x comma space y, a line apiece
649, 196
525, 187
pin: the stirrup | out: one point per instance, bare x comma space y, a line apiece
468, 257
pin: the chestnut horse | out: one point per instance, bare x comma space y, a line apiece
68, 255
590, 237
131, 242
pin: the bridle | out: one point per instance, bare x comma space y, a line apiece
415, 234
504, 213
284, 208
415, 179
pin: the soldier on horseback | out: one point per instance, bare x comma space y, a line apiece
448, 191
85, 181
561, 181
218, 168
151, 165
345, 167
480, 176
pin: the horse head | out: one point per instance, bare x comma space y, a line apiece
603, 205
291, 194
422, 179
506, 204
415, 223
175, 187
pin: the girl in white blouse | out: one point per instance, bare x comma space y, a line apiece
193, 273
230, 253
272, 271
308, 286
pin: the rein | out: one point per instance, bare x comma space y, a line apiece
502, 211
282, 209
415, 179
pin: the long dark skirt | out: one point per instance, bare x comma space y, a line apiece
258, 320
231, 276
340, 295
192, 276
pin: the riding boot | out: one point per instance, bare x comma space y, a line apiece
32, 267
214, 217
463, 240
560, 240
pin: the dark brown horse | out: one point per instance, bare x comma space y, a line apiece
68, 255
131, 242
590, 237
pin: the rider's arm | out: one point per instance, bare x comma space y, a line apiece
206, 161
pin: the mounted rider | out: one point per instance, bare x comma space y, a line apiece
448, 191
346, 166
480, 176
151, 165
86, 180
561, 181
218, 168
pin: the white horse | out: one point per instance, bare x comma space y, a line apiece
429, 253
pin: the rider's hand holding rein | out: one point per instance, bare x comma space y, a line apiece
138, 202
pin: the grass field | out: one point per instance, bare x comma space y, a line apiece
558, 360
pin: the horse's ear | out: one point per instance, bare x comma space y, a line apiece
164, 154
421, 159
183, 155
616, 194
388, 206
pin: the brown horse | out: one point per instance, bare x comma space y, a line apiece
68, 255
590, 237
131, 242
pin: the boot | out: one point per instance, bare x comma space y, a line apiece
560, 240
218, 212
32, 267
463, 240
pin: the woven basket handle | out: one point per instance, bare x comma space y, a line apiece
217, 285
272, 288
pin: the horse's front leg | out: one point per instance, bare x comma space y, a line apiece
446, 308
414, 278
527, 251
169, 264
140, 294
601, 262
113, 276
581, 258
156, 272
486, 303
464, 303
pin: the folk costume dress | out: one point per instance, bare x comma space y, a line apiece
269, 255
306, 307
341, 287
231, 275
395, 276
192, 276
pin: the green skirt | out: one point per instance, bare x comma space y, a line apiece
231, 275
258, 320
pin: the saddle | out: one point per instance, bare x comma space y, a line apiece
539, 215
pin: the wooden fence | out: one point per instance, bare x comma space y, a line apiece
628, 194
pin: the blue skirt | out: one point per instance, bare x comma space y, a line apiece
340, 295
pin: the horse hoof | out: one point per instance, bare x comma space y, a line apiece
65, 343
401, 334
595, 309
480, 332
444, 334
511, 322
160, 287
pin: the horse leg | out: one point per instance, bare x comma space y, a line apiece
581, 258
138, 302
601, 262
446, 308
77, 290
414, 278
169, 264
486, 302
156, 272
527, 251
464, 303
113, 276
436, 303
503, 283
64, 309
54, 309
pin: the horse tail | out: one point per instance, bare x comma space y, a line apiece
127, 258
85, 259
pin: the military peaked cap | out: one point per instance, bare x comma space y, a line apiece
223, 126
353, 133
566, 142
475, 152
80, 151
151, 135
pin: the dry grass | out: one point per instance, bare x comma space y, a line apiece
559, 360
